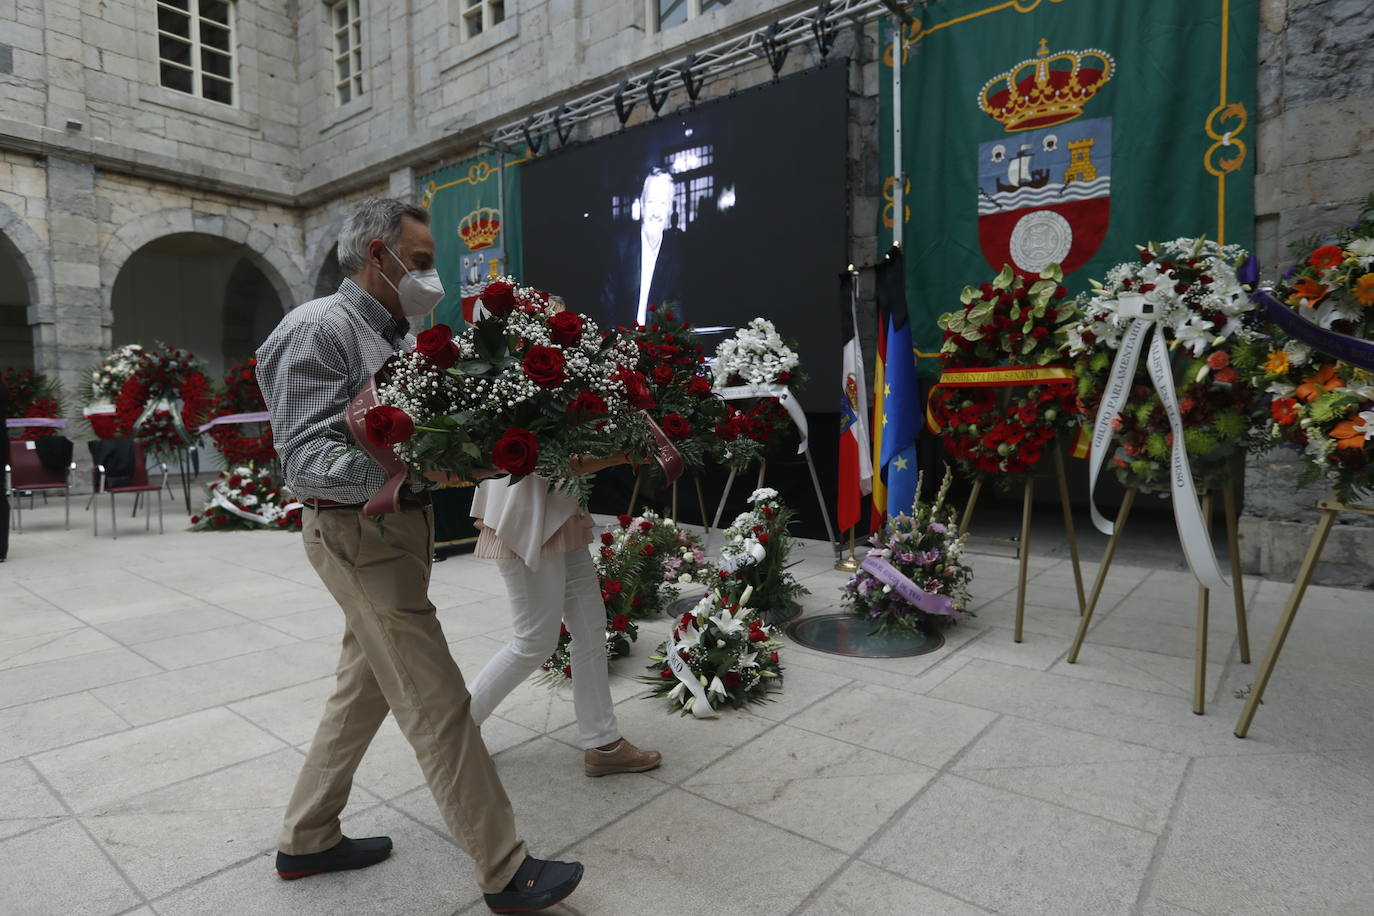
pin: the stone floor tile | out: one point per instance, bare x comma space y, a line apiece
1135, 716
1155, 672
1059, 623
268, 598
291, 713
212, 645
59, 869
1286, 832
30, 650
1015, 855
917, 728
150, 757
1155, 906
99, 597
799, 693
46, 724
862, 890
68, 675
25, 803
426, 875
182, 621
555, 803
173, 836
27, 614
311, 624
185, 690
689, 849
687, 744
835, 793
1036, 650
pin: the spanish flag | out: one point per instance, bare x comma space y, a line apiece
878, 514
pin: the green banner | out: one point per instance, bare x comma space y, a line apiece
474, 209
1066, 131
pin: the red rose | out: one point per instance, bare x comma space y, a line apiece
646, 526
498, 298
516, 452
758, 636
624, 520
666, 674
195, 519
567, 672
612, 587
436, 344
385, 425
773, 656
636, 391
661, 374
544, 366
620, 622
763, 539
668, 352
732, 679
588, 404
649, 550
675, 426
237, 481
565, 328
607, 538
698, 387
1040, 333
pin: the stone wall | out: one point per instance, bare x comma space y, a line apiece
1314, 164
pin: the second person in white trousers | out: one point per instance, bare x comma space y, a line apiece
539, 539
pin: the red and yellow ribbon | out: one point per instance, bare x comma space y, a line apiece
999, 377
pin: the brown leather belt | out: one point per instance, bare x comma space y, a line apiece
330, 504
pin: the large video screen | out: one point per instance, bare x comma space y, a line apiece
728, 211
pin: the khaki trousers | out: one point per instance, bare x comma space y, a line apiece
395, 659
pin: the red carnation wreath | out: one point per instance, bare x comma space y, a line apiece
31, 396
242, 395
165, 375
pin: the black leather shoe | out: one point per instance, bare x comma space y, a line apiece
537, 885
347, 854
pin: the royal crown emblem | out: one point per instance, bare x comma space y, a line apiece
480, 228
1050, 88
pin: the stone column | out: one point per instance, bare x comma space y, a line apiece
80, 336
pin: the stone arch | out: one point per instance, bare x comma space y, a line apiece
20, 245
262, 249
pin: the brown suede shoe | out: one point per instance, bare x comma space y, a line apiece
623, 758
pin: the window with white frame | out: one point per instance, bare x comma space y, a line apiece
195, 48
668, 13
480, 15
345, 18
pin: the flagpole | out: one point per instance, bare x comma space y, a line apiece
898, 203
850, 563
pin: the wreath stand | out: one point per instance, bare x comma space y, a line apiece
1330, 508
815, 484
1023, 544
1228, 493
701, 500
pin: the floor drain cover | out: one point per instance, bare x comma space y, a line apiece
847, 634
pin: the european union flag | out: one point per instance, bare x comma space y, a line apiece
902, 392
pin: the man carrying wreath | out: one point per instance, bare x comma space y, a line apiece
394, 656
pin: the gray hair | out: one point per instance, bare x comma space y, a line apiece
374, 218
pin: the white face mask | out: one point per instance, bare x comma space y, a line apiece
420, 290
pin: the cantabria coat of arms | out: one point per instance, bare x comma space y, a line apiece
1044, 186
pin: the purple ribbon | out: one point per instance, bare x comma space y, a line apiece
50, 422
1347, 349
260, 416
912, 593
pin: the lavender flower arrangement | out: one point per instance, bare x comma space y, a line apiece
913, 577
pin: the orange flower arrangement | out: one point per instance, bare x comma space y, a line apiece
1364, 290
1326, 379
1348, 435
1310, 290
1277, 363
1284, 410
1326, 257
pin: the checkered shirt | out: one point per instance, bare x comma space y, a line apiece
318, 358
